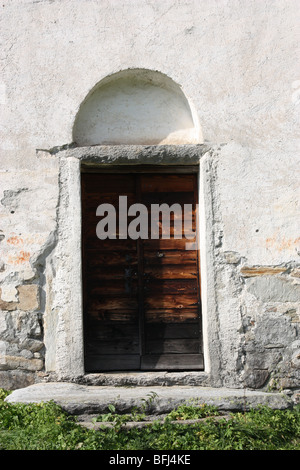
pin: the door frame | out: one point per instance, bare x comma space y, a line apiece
68, 357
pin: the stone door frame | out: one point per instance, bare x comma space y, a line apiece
67, 283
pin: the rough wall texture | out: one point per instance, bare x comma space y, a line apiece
238, 64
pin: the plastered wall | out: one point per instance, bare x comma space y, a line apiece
237, 65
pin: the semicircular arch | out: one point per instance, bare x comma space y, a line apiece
136, 107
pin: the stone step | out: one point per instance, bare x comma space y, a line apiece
157, 400
88, 422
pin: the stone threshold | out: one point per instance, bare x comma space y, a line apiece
79, 399
145, 378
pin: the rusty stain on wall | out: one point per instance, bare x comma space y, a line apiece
19, 258
281, 244
15, 240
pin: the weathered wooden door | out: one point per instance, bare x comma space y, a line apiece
142, 308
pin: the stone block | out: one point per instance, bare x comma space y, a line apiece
15, 379
261, 270
295, 272
231, 257
273, 289
28, 298
256, 378
19, 362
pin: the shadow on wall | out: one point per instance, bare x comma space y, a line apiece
136, 106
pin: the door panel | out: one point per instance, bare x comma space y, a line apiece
141, 297
110, 281
167, 265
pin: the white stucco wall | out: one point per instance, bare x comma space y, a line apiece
236, 60
237, 63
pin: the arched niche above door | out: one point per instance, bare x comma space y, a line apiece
136, 106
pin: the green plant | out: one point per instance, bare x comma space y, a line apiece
184, 412
147, 402
137, 413
110, 416
3, 394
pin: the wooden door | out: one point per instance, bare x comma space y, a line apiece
141, 297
